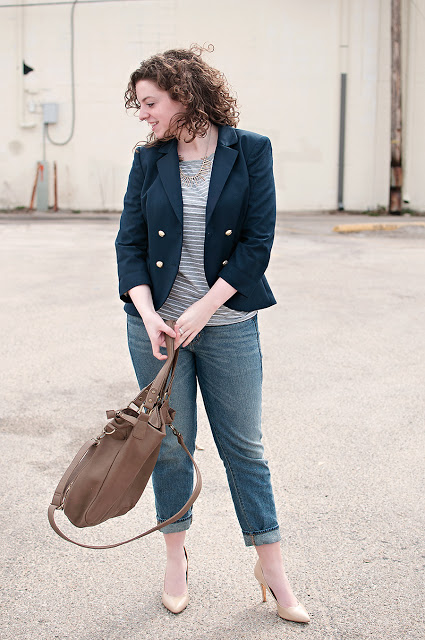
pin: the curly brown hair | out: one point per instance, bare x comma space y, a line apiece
203, 90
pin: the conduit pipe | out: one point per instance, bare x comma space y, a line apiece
21, 102
343, 63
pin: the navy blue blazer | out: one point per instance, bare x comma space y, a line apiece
240, 220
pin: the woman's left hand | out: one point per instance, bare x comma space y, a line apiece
192, 321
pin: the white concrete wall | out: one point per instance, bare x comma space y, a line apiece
283, 59
367, 160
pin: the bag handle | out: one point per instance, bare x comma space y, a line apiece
85, 450
157, 388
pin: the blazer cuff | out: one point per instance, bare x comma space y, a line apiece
240, 280
132, 280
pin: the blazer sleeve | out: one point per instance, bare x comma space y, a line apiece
250, 258
131, 241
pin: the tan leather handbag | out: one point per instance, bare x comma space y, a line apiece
110, 472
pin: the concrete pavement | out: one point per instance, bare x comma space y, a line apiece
344, 372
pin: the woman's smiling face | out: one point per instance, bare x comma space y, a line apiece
156, 106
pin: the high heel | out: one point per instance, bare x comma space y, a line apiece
295, 614
176, 604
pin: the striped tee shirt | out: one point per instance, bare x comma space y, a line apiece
190, 284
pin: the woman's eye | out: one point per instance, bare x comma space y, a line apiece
149, 104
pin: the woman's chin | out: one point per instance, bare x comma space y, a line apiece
158, 133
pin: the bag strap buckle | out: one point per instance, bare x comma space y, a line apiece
174, 430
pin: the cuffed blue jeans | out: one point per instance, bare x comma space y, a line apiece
226, 362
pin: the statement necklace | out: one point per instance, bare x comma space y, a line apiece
205, 169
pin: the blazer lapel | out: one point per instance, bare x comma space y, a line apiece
168, 169
224, 159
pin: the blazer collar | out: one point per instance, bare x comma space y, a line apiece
224, 159
226, 136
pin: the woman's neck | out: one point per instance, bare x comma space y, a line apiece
199, 147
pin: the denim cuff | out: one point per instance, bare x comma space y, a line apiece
180, 525
261, 537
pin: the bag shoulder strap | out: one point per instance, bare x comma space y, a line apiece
88, 449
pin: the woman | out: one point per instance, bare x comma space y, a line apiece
194, 242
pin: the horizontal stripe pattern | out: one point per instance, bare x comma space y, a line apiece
190, 284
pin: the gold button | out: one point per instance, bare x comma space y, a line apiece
161, 233
159, 264
229, 232
224, 262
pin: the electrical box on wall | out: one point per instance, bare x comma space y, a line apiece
50, 112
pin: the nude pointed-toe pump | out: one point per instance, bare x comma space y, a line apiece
295, 614
176, 604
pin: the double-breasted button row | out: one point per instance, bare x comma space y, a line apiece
161, 234
159, 263
227, 233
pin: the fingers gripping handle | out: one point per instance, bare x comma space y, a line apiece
159, 385
169, 341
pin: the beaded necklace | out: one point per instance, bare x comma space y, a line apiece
205, 169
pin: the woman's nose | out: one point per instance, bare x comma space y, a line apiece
142, 114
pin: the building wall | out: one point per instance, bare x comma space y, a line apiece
367, 166
282, 58
414, 102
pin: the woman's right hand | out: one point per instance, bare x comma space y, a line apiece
156, 329
141, 297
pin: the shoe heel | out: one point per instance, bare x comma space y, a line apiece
295, 614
